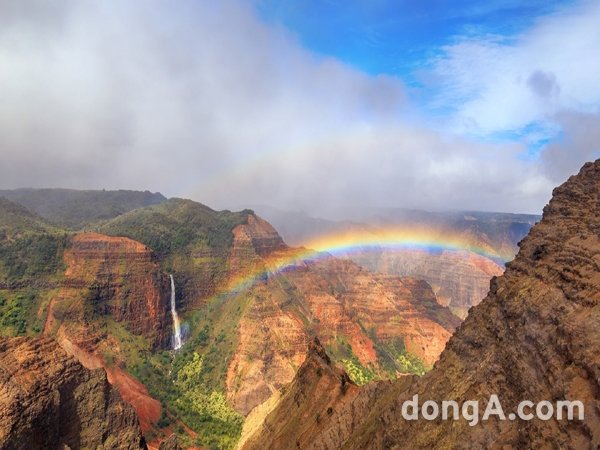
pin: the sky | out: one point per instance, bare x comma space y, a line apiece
322, 106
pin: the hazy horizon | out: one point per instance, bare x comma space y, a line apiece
347, 214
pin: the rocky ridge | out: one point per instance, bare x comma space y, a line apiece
320, 407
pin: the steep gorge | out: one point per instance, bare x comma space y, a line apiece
366, 320
534, 337
249, 304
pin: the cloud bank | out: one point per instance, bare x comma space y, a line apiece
542, 85
201, 99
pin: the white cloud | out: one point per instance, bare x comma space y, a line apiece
538, 78
201, 99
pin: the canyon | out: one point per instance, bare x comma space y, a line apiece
459, 277
534, 337
250, 308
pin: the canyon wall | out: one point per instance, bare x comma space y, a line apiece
460, 279
534, 337
366, 320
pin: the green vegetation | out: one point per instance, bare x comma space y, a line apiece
202, 406
76, 209
32, 257
30, 248
31, 253
15, 220
13, 314
394, 358
341, 351
357, 372
409, 363
194, 389
18, 312
179, 381
178, 225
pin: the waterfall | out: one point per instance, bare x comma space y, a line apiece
176, 325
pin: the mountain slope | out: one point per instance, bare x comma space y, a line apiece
535, 337
320, 407
31, 264
16, 220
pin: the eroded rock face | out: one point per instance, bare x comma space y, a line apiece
48, 400
252, 241
115, 277
460, 279
320, 408
535, 337
111, 279
342, 304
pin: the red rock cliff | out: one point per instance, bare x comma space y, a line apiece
115, 277
111, 279
333, 299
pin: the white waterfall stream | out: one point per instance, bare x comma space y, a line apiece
177, 343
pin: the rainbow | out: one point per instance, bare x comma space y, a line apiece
345, 244
398, 239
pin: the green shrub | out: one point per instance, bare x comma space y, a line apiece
14, 311
357, 372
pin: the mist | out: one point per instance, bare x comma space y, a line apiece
203, 100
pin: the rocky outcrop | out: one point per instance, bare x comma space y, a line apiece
170, 444
534, 337
263, 237
320, 408
460, 279
251, 242
48, 400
